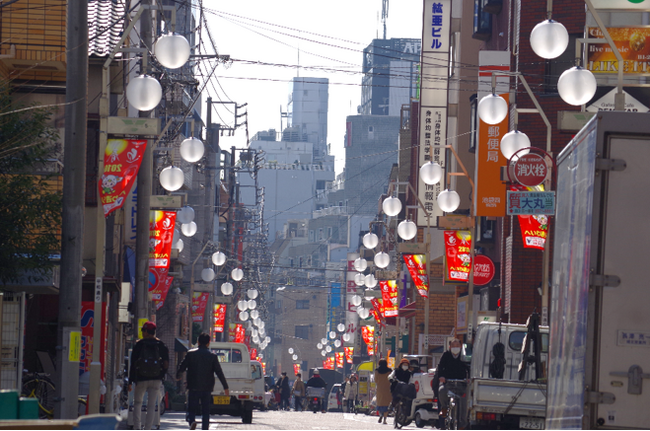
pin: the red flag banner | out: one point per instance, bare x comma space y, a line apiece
368, 334
349, 352
534, 228
240, 333
121, 164
264, 368
328, 363
199, 302
219, 317
457, 252
253, 354
339, 359
389, 297
296, 369
161, 234
417, 266
377, 310
159, 293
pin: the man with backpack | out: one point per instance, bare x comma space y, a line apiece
149, 363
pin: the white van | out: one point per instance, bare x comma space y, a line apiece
260, 399
235, 360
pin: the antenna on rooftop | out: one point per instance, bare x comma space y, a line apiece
384, 14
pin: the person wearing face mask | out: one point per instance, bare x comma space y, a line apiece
402, 372
451, 367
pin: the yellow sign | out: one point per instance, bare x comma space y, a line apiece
75, 346
631, 43
141, 322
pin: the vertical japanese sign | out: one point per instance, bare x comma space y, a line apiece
490, 191
351, 315
339, 359
160, 291
368, 335
534, 228
161, 234
389, 297
253, 354
121, 164
240, 333
219, 317
199, 302
296, 369
417, 266
87, 336
457, 254
328, 363
436, 24
349, 352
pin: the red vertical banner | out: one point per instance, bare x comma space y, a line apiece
349, 352
199, 302
160, 291
232, 332
328, 363
161, 235
457, 252
296, 369
240, 333
368, 335
534, 229
377, 310
339, 359
219, 317
264, 368
253, 354
87, 335
417, 266
121, 164
389, 297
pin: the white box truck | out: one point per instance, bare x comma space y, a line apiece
599, 344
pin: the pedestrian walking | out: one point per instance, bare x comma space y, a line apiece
382, 383
299, 392
201, 365
149, 363
351, 391
285, 391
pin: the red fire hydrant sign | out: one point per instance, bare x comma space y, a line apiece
530, 170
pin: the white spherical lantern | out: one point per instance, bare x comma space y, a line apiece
171, 178
207, 274
226, 289
172, 50
323, 341
237, 274
262, 331
577, 86
242, 305
514, 141
255, 314
243, 316
356, 301
370, 281
340, 327
407, 230
391, 206
323, 352
359, 279
382, 260
363, 313
319, 346
192, 150
370, 240
248, 324
218, 258
492, 109
252, 304
328, 349
549, 39
448, 200
254, 332
189, 229
290, 350
431, 173
360, 264
180, 245
295, 357
177, 242
252, 293
144, 92
261, 325
346, 337
185, 215
256, 339
332, 334
267, 339
257, 322
337, 343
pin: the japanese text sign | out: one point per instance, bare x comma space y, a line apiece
632, 44
121, 164
530, 170
161, 288
199, 302
533, 203
417, 266
458, 245
219, 317
161, 235
389, 297
534, 230
240, 333
484, 270
349, 352
339, 359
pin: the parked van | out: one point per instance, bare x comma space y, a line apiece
238, 369
260, 400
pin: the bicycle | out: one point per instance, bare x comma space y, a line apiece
454, 390
41, 387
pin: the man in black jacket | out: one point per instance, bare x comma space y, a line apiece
317, 381
451, 367
201, 366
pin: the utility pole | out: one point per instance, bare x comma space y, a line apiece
145, 176
72, 228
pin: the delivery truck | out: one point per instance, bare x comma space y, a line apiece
599, 342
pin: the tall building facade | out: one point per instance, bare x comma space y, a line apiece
307, 111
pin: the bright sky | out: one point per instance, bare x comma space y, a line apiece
269, 39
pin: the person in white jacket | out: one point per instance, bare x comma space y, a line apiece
351, 391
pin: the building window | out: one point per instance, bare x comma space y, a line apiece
320, 184
302, 332
329, 232
320, 233
311, 236
482, 21
302, 304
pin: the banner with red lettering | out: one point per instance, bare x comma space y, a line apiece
240, 333
161, 234
253, 354
417, 266
349, 352
339, 359
328, 363
219, 317
457, 253
160, 291
199, 302
121, 164
389, 297
377, 310
368, 335
534, 228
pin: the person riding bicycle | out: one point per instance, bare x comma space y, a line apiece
451, 367
317, 381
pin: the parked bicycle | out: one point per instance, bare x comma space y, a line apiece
41, 387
